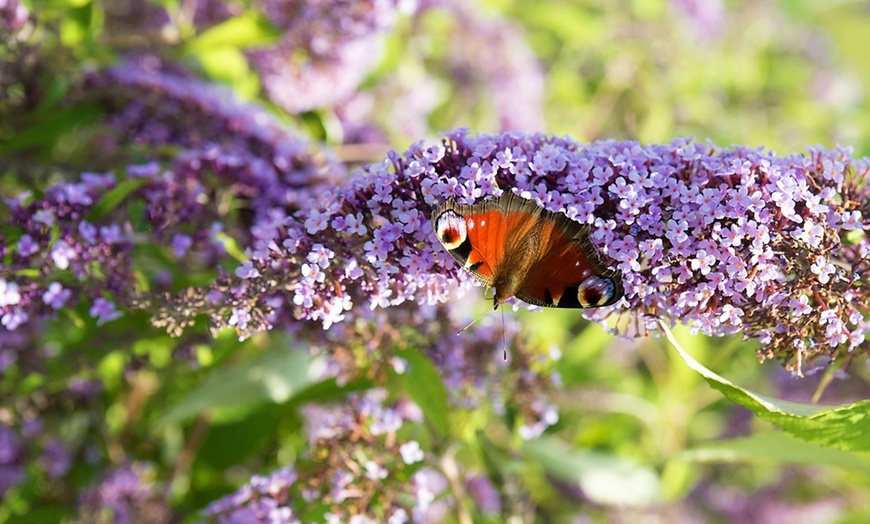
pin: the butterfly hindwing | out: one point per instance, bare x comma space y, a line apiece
569, 273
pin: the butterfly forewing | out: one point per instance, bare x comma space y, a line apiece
473, 235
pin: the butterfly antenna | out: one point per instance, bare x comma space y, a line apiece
473, 322
503, 336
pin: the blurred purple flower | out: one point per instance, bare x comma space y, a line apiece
9, 295
55, 458
14, 318
706, 17
11, 458
493, 52
104, 311
127, 495
181, 243
298, 86
26, 245
56, 296
484, 494
13, 16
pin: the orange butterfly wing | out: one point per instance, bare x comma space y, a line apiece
549, 254
473, 235
569, 273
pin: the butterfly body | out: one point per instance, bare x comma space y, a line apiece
520, 249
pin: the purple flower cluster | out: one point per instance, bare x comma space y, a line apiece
355, 465
723, 240
127, 495
263, 499
13, 16
321, 26
158, 104
328, 48
483, 58
57, 248
12, 458
302, 85
63, 246
250, 150
19, 446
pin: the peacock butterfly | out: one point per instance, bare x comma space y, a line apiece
520, 249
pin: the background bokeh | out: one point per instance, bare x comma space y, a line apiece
184, 412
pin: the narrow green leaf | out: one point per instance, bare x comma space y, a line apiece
272, 376
844, 426
232, 247
52, 127
247, 30
775, 446
423, 384
604, 478
56, 89
114, 197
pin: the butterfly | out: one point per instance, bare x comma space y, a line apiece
522, 250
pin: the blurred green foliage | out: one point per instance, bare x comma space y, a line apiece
640, 432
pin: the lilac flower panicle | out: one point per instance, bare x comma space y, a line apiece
695, 230
327, 49
724, 240
350, 458
127, 494
239, 149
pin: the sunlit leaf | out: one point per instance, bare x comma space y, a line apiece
273, 376
247, 30
844, 426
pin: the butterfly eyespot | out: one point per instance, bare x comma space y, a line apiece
595, 291
451, 229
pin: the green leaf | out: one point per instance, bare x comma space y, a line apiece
844, 426
114, 197
247, 30
422, 382
230, 443
329, 390
775, 446
604, 478
229, 66
52, 127
232, 247
273, 376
